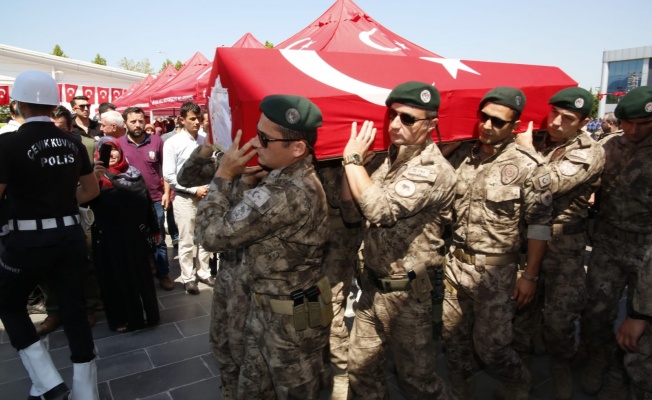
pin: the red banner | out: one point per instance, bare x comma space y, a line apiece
60, 86
89, 91
4, 95
102, 95
70, 91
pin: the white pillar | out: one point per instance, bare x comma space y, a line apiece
603, 89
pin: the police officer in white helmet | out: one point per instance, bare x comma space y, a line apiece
40, 167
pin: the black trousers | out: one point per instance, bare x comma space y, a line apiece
65, 267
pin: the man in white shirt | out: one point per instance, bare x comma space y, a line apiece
176, 151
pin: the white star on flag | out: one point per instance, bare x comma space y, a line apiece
451, 65
401, 45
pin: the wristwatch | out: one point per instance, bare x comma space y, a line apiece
354, 158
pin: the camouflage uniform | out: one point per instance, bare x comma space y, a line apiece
281, 224
494, 198
406, 209
339, 259
639, 365
622, 240
231, 293
575, 168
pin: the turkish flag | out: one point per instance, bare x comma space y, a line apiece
70, 91
115, 94
102, 95
4, 95
60, 86
89, 91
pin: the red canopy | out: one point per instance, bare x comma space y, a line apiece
134, 89
189, 84
248, 41
348, 87
140, 98
347, 28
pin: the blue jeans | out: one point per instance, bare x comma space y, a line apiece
161, 255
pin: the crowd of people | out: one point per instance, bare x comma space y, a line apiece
484, 240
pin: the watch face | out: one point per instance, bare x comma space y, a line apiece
356, 158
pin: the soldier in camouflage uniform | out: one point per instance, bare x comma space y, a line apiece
339, 259
405, 203
231, 293
501, 187
282, 226
620, 247
575, 162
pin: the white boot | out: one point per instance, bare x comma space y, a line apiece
45, 377
84, 382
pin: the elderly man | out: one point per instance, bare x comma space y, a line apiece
112, 124
281, 225
406, 204
610, 126
501, 189
575, 162
620, 257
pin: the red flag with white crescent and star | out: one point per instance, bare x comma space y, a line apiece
102, 95
89, 91
116, 93
4, 95
70, 91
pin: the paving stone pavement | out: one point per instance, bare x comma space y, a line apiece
173, 361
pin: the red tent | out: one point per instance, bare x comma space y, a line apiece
347, 28
140, 98
248, 41
136, 88
189, 84
347, 88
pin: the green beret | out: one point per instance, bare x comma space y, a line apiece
293, 112
415, 94
573, 99
505, 96
637, 103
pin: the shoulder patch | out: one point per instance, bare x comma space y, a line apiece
240, 212
546, 198
569, 168
508, 174
580, 153
405, 188
258, 198
542, 181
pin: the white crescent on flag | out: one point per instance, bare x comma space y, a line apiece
3, 91
311, 64
88, 92
103, 93
70, 91
365, 37
116, 93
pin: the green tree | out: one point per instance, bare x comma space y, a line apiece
596, 100
58, 52
178, 65
165, 64
99, 60
269, 44
142, 66
4, 114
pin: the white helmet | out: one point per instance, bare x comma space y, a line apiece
35, 87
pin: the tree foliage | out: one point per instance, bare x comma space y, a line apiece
269, 44
178, 65
99, 60
4, 114
142, 66
57, 51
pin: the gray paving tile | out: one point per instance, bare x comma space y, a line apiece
131, 341
182, 312
177, 350
182, 298
7, 352
16, 389
208, 389
211, 363
159, 380
12, 370
194, 326
160, 396
110, 368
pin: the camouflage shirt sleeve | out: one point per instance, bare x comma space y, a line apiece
262, 212
198, 170
642, 302
538, 203
576, 167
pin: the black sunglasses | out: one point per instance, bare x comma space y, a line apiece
495, 121
84, 106
406, 119
264, 139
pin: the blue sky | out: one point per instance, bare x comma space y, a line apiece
569, 34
